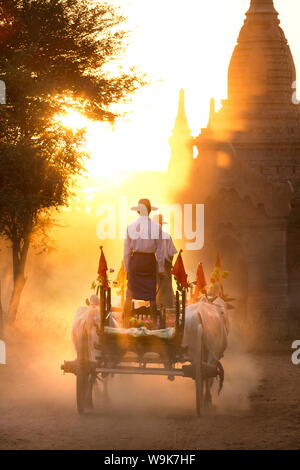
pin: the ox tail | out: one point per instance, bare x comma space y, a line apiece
220, 376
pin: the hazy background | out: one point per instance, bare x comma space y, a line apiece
178, 44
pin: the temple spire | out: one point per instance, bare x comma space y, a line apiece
181, 122
262, 6
262, 67
212, 111
181, 143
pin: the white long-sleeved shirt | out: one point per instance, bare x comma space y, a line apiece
144, 235
169, 247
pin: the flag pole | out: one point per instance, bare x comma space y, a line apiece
122, 295
104, 295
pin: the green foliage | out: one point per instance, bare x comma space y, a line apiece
58, 48
53, 54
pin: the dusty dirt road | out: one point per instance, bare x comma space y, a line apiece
259, 409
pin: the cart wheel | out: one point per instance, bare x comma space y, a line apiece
199, 379
89, 395
83, 385
101, 392
105, 391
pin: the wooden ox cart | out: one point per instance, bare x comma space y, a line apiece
139, 351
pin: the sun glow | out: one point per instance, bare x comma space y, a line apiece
178, 45
115, 152
73, 120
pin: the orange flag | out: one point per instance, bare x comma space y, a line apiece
216, 276
121, 277
201, 282
102, 269
179, 273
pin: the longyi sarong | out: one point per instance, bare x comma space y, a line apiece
142, 276
165, 292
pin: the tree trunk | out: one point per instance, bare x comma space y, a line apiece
19, 263
16, 299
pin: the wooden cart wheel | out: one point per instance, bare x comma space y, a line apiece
101, 392
199, 379
105, 391
83, 377
90, 387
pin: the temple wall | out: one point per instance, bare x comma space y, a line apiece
259, 124
252, 247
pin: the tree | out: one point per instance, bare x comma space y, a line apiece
53, 55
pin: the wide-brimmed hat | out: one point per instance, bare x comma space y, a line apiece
159, 219
144, 207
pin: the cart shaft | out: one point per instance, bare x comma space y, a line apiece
141, 371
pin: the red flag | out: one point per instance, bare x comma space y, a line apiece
201, 282
179, 273
102, 269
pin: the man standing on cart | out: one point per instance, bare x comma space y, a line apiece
144, 258
165, 293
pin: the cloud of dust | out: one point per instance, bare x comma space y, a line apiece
58, 283
242, 376
35, 379
152, 395
159, 397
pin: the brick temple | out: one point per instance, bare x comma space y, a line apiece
247, 173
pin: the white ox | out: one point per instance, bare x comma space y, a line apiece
213, 320
84, 320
